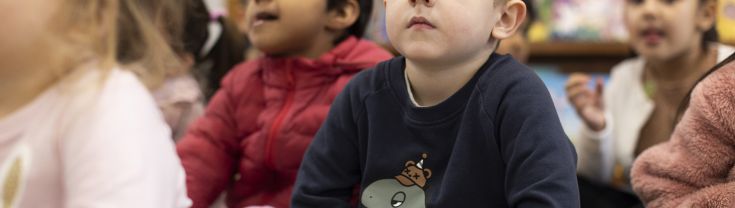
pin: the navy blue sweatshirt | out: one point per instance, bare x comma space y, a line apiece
497, 142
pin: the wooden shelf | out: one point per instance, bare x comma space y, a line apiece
579, 56
575, 56
577, 49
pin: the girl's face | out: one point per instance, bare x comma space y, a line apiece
24, 27
664, 29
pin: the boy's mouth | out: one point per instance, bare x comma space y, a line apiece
263, 17
652, 36
420, 23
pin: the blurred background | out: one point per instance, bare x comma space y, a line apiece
577, 36
565, 36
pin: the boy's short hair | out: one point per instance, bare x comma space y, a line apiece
366, 11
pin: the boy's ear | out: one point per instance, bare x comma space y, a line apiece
511, 19
707, 16
343, 18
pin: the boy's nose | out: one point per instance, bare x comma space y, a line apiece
428, 3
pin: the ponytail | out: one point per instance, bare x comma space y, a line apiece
710, 35
226, 52
214, 42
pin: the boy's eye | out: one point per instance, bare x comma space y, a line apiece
670, 1
636, 2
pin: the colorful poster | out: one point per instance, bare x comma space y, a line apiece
566, 20
726, 21
586, 20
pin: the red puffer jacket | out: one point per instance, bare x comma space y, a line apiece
258, 125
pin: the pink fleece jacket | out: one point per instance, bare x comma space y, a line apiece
696, 167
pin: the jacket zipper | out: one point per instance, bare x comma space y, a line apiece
273, 132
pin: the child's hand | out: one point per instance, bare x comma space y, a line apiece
586, 102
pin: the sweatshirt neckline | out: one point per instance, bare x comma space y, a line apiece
442, 112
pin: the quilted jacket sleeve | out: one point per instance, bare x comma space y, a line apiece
210, 149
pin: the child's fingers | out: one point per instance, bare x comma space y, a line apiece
577, 79
575, 85
594, 118
599, 86
579, 95
579, 76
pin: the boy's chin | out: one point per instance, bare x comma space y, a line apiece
422, 56
423, 61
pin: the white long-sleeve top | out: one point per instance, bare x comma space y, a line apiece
608, 155
93, 142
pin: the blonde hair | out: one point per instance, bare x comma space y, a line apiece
137, 35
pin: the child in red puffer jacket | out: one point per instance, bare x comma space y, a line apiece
252, 138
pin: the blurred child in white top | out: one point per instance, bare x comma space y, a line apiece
78, 128
676, 44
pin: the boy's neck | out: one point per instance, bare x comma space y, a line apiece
692, 63
432, 83
19, 86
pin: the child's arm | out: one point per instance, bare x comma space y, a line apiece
121, 158
591, 147
594, 147
695, 168
210, 149
330, 169
540, 159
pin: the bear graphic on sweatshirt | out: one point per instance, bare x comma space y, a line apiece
405, 190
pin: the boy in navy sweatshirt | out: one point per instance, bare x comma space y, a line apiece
450, 124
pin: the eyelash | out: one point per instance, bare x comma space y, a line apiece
669, 2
